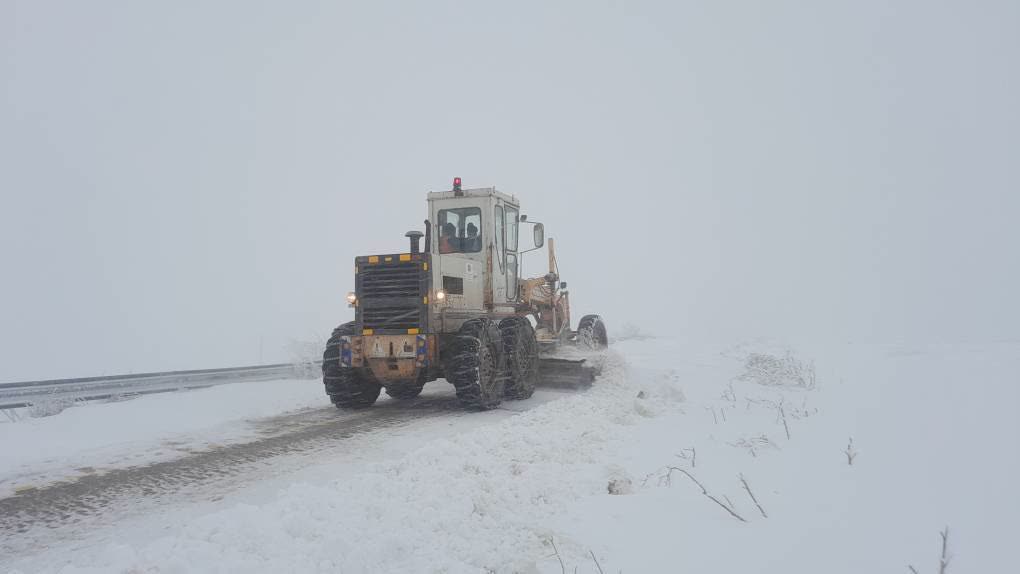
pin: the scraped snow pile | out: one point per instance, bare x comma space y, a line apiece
678, 460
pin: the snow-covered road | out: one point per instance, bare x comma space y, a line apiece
652, 470
131, 460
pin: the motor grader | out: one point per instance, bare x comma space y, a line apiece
457, 309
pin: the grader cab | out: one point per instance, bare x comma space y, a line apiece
455, 307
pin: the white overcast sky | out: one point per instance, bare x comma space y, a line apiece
185, 184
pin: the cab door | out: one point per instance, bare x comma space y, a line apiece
512, 260
499, 291
506, 263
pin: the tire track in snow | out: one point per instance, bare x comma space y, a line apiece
76, 502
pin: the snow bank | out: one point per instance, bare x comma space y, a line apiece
96, 436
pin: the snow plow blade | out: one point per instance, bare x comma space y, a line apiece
566, 373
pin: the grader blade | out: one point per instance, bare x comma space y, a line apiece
565, 373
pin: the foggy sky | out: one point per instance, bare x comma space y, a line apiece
186, 184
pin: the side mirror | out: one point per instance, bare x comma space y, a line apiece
539, 235
523, 218
563, 284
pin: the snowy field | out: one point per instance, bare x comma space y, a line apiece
681, 458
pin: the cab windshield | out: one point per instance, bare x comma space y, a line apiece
460, 230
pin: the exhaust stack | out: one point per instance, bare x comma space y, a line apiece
415, 237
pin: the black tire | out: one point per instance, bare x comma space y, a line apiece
591, 333
475, 364
521, 349
348, 388
405, 390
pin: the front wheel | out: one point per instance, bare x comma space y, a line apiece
591, 333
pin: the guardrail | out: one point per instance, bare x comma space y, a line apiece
28, 393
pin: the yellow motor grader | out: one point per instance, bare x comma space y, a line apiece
457, 309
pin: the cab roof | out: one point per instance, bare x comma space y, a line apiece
475, 192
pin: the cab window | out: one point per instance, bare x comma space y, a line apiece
511, 276
460, 230
511, 229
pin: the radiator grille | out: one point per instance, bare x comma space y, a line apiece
391, 318
402, 280
391, 295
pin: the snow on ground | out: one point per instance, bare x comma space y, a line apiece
933, 431
643, 474
97, 436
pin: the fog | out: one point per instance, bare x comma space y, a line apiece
186, 185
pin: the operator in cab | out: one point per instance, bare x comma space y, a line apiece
472, 243
448, 241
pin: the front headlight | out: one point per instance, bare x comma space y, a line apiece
352, 298
440, 295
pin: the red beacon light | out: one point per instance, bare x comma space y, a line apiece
456, 185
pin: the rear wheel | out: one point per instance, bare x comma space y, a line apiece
591, 333
348, 388
521, 349
475, 364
